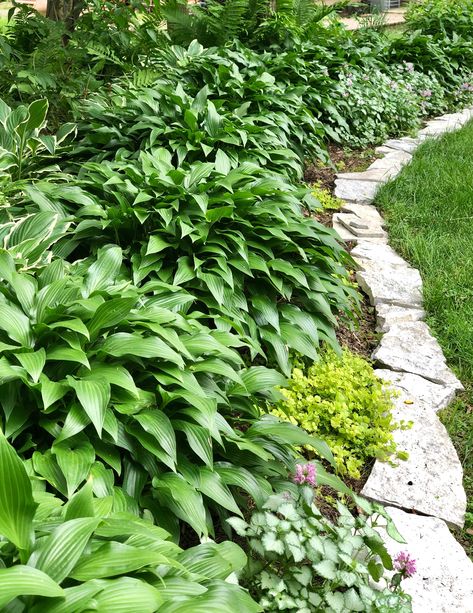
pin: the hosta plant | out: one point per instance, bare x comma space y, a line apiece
96, 553
301, 561
128, 381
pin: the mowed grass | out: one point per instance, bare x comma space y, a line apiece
429, 211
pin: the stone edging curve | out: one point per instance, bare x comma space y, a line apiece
424, 494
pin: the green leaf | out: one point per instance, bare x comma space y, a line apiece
17, 507
376, 570
61, 550
75, 463
123, 343
115, 559
198, 438
127, 594
94, 397
110, 313
156, 244
67, 354
104, 271
262, 379
158, 425
174, 492
211, 484
52, 391
326, 569
81, 504
33, 362
219, 597
24, 580
15, 323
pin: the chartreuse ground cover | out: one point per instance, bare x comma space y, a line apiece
429, 212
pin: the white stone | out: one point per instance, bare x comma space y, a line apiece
377, 175
410, 347
403, 144
356, 191
396, 285
388, 315
430, 481
342, 230
360, 227
377, 254
433, 395
443, 582
366, 212
398, 157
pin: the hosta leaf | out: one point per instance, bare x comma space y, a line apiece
115, 559
262, 379
219, 597
74, 599
174, 492
74, 463
60, 552
185, 271
67, 354
15, 323
114, 374
258, 489
71, 324
33, 362
127, 594
212, 560
158, 424
24, 580
45, 464
211, 484
17, 506
110, 314
81, 504
198, 439
123, 343
104, 271
94, 397
156, 244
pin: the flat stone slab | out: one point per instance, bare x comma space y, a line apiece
410, 347
356, 191
377, 175
433, 395
366, 212
395, 285
430, 481
407, 144
361, 227
376, 254
342, 230
388, 315
444, 579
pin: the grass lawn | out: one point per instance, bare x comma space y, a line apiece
429, 210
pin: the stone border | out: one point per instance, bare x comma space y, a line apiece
424, 494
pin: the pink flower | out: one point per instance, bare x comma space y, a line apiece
349, 82
409, 66
405, 564
305, 473
426, 93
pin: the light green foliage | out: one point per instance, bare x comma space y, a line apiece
94, 552
326, 199
301, 561
340, 399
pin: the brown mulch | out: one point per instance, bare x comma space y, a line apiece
343, 160
360, 336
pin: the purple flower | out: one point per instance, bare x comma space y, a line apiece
426, 93
349, 82
405, 564
408, 87
393, 85
305, 473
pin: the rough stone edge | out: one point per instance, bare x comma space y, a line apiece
432, 130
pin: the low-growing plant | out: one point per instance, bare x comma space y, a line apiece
340, 399
326, 198
301, 561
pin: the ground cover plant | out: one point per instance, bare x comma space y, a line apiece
428, 210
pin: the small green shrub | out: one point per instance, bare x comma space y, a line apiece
341, 399
441, 17
302, 562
